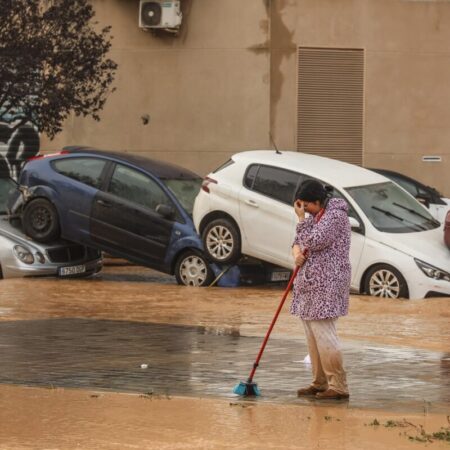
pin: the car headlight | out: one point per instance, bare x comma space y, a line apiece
23, 254
431, 271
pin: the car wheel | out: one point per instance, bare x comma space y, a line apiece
222, 241
385, 281
40, 221
192, 269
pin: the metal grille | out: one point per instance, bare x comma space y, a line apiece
66, 254
331, 103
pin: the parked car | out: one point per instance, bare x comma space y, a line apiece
427, 195
447, 230
126, 205
22, 257
245, 208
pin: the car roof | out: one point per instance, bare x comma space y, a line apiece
161, 169
337, 173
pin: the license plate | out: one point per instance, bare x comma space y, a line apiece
73, 270
280, 276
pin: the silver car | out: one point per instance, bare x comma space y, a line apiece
22, 257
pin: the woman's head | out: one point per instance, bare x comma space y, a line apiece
313, 195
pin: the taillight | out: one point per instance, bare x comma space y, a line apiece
62, 152
206, 182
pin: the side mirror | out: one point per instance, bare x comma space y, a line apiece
165, 211
424, 199
356, 226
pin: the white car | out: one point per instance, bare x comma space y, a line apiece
245, 208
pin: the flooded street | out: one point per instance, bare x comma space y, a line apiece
129, 359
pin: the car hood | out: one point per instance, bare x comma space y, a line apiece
17, 235
428, 246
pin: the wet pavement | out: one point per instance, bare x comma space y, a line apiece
201, 361
96, 334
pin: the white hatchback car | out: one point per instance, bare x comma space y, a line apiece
245, 208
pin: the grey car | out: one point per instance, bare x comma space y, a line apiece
22, 257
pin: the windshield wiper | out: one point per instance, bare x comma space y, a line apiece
412, 211
394, 216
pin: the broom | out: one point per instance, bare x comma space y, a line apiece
248, 388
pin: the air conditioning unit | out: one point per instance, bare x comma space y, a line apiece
160, 14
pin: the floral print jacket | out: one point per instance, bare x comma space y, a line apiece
322, 286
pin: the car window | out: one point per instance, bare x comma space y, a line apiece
405, 184
391, 210
250, 176
86, 170
132, 185
276, 183
6, 187
185, 191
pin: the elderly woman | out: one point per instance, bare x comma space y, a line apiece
321, 289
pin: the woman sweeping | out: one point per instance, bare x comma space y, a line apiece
321, 290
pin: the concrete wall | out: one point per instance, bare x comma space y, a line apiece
206, 91
230, 79
407, 68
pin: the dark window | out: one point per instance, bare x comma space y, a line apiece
250, 176
86, 170
276, 183
136, 187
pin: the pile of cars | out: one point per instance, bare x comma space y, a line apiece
168, 218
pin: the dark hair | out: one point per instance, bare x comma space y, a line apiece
312, 190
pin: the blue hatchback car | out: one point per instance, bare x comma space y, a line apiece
127, 205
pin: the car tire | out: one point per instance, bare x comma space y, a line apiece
40, 220
385, 281
222, 241
192, 269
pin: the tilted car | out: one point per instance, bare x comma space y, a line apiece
127, 205
22, 257
427, 195
245, 207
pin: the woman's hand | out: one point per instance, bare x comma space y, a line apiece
299, 257
299, 208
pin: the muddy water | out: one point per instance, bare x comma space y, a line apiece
137, 294
65, 419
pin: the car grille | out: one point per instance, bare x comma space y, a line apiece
66, 254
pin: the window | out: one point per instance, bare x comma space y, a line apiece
85, 170
250, 176
276, 183
136, 187
185, 191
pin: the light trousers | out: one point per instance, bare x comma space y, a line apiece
326, 357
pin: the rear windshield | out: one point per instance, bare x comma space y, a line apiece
6, 186
185, 191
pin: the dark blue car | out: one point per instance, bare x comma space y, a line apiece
130, 206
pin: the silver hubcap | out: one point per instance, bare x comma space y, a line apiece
219, 242
193, 271
384, 283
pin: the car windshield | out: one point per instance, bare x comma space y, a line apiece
390, 209
185, 191
6, 186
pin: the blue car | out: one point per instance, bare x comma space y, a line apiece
127, 205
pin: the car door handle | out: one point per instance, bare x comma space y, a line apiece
252, 203
103, 203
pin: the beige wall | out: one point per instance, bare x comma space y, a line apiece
206, 91
230, 78
407, 73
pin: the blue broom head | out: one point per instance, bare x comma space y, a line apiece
246, 389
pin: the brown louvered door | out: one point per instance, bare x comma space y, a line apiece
331, 103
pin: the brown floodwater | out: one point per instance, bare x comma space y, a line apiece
63, 418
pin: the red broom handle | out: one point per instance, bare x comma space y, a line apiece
263, 346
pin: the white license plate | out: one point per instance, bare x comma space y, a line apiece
280, 276
72, 270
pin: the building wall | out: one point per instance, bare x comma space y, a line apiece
229, 80
206, 91
407, 68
